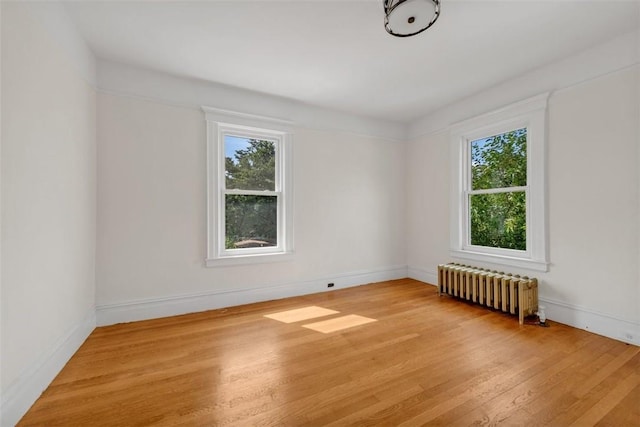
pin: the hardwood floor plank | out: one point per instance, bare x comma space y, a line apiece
544, 384
607, 370
621, 417
610, 401
426, 360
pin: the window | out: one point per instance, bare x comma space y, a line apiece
249, 170
497, 196
497, 191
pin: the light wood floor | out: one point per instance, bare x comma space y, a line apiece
425, 360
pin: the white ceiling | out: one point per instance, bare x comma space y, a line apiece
336, 54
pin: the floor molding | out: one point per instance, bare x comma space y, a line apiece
20, 395
417, 273
152, 308
592, 321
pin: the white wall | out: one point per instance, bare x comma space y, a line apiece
428, 181
348, 214
593, 197
48, 199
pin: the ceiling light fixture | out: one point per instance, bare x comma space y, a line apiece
404, 18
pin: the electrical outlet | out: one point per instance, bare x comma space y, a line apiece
329, 285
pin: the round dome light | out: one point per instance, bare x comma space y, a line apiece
404, 18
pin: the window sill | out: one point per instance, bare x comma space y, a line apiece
249, 259
525, 263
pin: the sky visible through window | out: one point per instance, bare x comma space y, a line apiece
233, 144
478, 146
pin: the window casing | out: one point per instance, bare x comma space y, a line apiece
264, 196
527, 117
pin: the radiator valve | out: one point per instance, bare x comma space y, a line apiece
542, 317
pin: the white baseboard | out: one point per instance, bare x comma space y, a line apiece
592, 321
152, 308
423, 275
22, 393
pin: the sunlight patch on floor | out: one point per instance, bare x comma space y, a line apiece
339, 323
299, 314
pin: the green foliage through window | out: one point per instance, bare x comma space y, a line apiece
252, 166
250, 220
499, 220
497, 200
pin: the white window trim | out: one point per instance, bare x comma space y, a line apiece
530, 113
219, 123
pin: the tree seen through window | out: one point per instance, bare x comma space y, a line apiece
251, 201
497, 198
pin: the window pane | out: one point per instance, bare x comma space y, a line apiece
499, 161
250, 164
499, 220
251, 221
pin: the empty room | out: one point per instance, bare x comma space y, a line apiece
323, 212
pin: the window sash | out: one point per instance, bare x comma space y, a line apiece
497, 190
469, 153
277, 139
280, 242
251, 192
467, 245
468, 192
